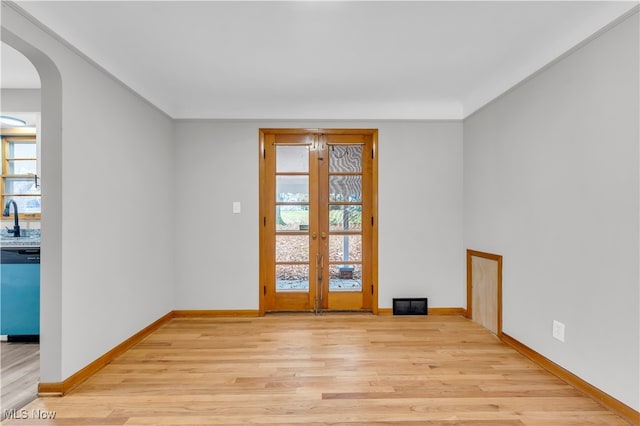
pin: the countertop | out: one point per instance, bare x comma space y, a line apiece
27, 238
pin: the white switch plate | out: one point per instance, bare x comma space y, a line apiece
558, 330
236, 206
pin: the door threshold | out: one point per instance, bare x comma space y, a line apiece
323, 312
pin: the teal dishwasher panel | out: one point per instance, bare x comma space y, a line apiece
20, 292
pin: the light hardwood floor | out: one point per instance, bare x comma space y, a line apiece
19, 375
330, 369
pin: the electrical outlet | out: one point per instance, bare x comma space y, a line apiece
236, 207
558, 330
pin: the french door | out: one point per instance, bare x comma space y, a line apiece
318, 227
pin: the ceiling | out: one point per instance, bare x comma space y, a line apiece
319, 59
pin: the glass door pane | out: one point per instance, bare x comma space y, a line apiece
292, 218
344, 210
345, 158
291, 158
345, 217
292, 263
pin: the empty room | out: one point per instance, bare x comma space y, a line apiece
320, 212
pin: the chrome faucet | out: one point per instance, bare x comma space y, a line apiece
16, 227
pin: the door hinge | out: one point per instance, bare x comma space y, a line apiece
373, 153
264, 153
264, 221
264, 290
372, 221
372, 289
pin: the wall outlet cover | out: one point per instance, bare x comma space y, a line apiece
558, 330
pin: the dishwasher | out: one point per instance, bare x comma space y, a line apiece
20, 293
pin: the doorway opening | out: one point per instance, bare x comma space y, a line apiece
50, 131
318, 220
20, 236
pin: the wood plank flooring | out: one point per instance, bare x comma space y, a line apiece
341, 369
19, 375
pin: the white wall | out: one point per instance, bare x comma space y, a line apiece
420, 211
551, 183
112, 236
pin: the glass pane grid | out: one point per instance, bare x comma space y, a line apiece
26, 149
292, 217
292, 278
345, 217
343, 277
27, 204
21, 186
345, 188
292, 248
292, 203
21, 167
292, 188
345, 158
292, 158
347, 248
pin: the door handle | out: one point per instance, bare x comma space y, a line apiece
314, 235
323, 235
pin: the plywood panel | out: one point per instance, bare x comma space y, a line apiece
484, 286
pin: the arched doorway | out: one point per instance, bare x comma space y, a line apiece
51, 221
20, 269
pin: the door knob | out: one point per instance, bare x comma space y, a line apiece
323, 235
314, 235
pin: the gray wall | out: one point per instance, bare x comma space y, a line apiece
20, 100
551, 183
107, 226
420, 211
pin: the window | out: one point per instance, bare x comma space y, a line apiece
20, 180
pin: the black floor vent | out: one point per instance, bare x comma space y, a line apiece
416, 306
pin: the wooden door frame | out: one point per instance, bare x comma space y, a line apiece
490, 256
374, 207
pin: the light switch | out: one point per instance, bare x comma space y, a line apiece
236, 206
